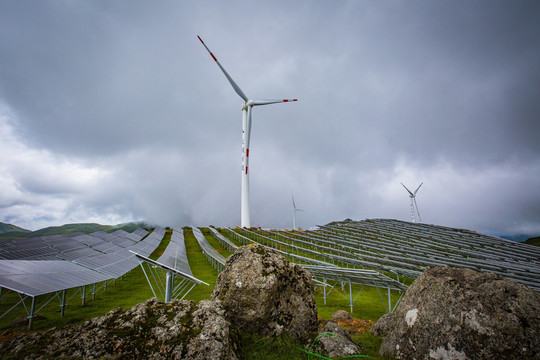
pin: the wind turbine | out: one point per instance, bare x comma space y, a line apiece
245, 220
294, 212
412, 196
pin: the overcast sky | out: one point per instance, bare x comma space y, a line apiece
113, 111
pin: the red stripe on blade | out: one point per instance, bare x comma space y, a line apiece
213, 57
247, 152
246, 170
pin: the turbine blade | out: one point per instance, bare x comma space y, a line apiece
409, 191
271, 101
293, 204
415, 191
418, 212
231, 81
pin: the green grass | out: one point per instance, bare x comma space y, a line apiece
200, 267
133, 289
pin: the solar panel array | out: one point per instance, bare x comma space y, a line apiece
406, 249
319, 265
45, 264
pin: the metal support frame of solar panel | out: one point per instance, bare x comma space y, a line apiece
172, 264
415, 245
212, 255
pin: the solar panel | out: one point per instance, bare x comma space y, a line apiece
212, 254
40, 265
34, 277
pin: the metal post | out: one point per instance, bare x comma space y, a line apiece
324, 290
105, 287
94, 292
1, 288
63, 305
169, 285
389, 301
84, 294
350, 296
31, 317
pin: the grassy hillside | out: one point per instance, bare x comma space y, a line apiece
67, 229
8, 228
533, 241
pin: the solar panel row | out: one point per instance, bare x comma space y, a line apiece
175, 255
216, 259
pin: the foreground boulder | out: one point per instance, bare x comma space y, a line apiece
463, 314
150, 330
262, 292
335, 342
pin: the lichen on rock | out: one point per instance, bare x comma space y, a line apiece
149, 330
262, 292
450, 313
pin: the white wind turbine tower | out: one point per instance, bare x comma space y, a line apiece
412, 196
247, 106
294, 212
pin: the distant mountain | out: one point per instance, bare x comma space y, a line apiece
67, 229
5, 228
514, 237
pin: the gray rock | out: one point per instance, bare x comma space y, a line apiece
335, 342
341, 315
384, 325
262, 292
217, 340
463, 314
150, 330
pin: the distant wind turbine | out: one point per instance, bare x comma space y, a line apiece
245, 220
294, 212
412, 196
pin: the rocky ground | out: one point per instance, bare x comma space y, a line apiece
258, 291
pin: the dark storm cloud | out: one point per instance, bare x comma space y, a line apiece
114, 111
